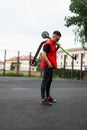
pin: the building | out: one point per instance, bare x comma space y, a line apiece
11, 63
1, 65
77, 63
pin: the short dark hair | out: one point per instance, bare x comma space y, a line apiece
57, 33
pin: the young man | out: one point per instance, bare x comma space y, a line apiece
48, 63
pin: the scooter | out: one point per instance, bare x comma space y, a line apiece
45, 35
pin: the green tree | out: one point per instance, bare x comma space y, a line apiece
79, 18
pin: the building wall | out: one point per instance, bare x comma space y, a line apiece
77, 62
1, 66
24, 65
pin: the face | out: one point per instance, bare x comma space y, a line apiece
56, 38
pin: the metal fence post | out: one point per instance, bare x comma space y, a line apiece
72, 71
17, 72
81, 76
29, 71
64, 66
4, 68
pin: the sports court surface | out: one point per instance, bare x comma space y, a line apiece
20, 107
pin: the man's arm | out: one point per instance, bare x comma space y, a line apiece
58, 46
46, 59
46, 49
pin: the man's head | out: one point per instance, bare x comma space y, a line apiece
56, 36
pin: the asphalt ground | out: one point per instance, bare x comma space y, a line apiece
20, 107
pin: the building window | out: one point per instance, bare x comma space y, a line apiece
83, 62
83, 55
61, 56
77, 56
71, 63
61, 64
66, 57
66, 63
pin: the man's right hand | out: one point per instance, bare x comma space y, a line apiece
50, 65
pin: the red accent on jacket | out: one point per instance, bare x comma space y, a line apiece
51, 54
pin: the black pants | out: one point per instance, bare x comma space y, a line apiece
46, 82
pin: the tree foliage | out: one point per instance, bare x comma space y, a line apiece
79, 18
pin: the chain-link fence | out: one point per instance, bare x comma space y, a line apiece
17, 63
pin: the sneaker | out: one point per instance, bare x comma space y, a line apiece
50, 99
45, 102
49, 103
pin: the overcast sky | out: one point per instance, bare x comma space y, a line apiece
23, 21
